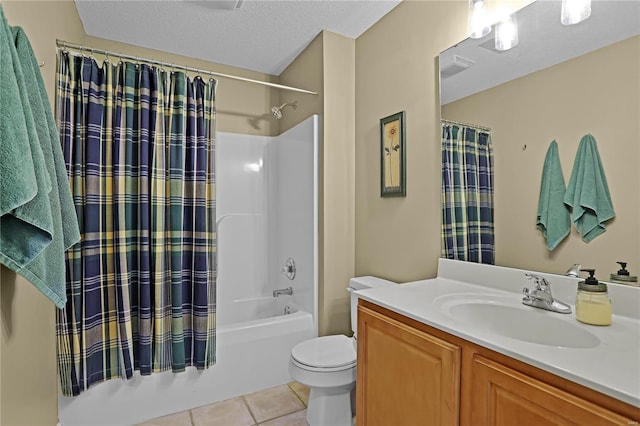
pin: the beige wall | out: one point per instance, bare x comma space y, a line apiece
304, 72
597, 93
338, 159
399, 238
327, 66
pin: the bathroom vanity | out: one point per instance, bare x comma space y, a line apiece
462, 349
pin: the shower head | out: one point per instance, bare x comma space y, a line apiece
277, 111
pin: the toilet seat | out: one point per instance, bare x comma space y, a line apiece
327, 353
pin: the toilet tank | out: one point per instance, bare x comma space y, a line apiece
360, 283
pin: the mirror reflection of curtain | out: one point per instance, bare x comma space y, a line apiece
467, 194
139, 148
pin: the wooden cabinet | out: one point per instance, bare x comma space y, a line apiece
407, 377
412, 374
503, 396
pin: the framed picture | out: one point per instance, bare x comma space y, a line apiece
392, 156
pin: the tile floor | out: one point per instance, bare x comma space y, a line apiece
280, 406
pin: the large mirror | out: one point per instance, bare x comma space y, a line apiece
559, 83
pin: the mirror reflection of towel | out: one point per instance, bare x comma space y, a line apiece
553, 215
588, 192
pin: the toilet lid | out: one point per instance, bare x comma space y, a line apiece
325, 352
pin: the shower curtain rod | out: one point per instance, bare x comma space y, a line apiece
66, 45
460, 123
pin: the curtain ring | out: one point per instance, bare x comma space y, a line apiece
106, 54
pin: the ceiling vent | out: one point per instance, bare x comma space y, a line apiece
218, 4
453, 65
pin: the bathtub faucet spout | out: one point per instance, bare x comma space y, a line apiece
280, 292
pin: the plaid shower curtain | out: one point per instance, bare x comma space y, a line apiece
467, 194
139, 149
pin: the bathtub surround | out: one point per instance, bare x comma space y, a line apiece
267, 213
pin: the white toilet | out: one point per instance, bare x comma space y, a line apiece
328, 366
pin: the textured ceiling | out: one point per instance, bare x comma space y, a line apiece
260, 35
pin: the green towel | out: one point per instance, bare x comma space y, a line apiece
588, 192
44, 268
26, 226
553, 215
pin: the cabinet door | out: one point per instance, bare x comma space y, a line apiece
502, 396
405, 376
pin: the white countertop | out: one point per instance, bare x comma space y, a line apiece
612, 366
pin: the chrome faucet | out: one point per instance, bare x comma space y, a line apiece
540, 296
574, 271
281, 291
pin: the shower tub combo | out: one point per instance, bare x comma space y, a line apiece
267, 222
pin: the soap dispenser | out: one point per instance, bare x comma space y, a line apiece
623, 276
593, 305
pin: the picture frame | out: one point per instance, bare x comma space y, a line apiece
393, 156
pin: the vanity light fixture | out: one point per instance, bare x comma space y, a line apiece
506, 36
575, 11
479, 24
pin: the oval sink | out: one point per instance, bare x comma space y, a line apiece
531, 325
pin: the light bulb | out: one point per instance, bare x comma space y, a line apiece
506, 33
574, 11
479, 25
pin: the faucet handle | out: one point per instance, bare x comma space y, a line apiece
541, 283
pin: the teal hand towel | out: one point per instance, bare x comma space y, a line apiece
588, 193
26, 225
553, 219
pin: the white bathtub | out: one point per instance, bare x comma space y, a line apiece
250, 356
